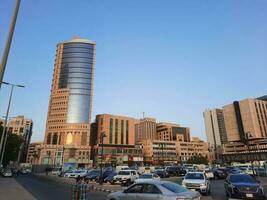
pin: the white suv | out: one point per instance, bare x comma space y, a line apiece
125, 177
197, 181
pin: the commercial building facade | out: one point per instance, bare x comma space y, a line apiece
172, 132
160, 152
119, 142
248, 115
145, 129
23, 127
70, 104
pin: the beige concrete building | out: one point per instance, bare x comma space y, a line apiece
172, 132
23, 127
248, 115
33, 152
195, 147
159, 151
119, 141
145, 129
215, 127
69, 113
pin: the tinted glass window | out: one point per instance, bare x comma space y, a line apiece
135, 189
151, 189
124, 173
146, 176
194, 176
173, 187
242, 178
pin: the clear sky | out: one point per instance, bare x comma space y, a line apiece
170, 59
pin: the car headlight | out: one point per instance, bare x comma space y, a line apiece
203, 184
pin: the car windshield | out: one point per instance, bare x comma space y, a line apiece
146, 176
124, 173
242, 179
173, 187
194, 176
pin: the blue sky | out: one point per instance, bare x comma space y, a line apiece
170, 59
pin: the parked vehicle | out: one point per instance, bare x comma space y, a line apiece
121, 168
161, 173
7, 173
197, 181
171, 170
209, 174
110, 177
76, 174
147, 176
243, 186
125, 177
92, 175
156, 190
220, 173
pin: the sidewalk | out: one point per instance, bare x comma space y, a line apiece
11, 190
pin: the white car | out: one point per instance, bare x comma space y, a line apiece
155, 190
76, 174
197, 181
7, 173
147, 176
125, 177
209, 174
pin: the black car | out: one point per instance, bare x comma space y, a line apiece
220, 173
161, 173
171, 171
243, 186
92, 175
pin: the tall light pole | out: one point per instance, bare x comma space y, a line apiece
6, 117
102, 136
8, 42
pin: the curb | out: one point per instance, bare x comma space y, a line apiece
102, 189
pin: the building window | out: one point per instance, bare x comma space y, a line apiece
54, 140
122, 130
84, 139
110, 130
127, 132
116, 131
48, 138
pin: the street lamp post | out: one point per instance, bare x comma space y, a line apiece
101, 167
8, 42
6, 117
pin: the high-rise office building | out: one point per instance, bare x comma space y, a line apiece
215, 127
246, 116
70, 105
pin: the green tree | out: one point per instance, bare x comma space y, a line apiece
197, 160
12, 148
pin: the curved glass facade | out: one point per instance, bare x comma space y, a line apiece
76, 74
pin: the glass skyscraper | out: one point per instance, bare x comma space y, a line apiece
70, 105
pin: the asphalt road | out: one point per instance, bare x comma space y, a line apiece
44, 189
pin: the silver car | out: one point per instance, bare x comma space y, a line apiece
154, 190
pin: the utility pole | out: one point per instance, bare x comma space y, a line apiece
8, 42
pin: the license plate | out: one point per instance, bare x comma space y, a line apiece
193, 189
249, 195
